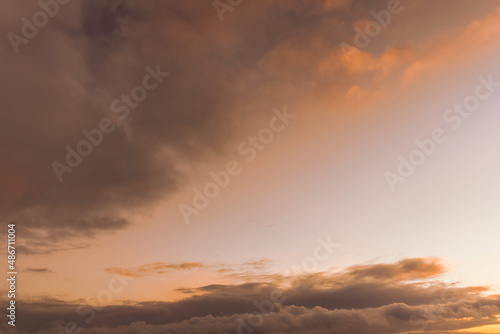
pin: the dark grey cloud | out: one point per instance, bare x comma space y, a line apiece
64, 81
207, 313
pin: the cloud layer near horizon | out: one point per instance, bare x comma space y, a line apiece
378, 298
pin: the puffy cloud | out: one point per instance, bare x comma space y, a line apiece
393, 318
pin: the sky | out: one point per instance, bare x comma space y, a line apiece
288, 166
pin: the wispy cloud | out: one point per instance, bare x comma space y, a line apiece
38, 270
157, 268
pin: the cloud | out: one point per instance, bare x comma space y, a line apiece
88, 56
392, 318
475, 41
157, 268
259, 264
363, 299
247, 270
38, 270
223, 77
415, 268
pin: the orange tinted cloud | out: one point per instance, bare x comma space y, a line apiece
153, 269
493, 329
479, 38
406, 269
